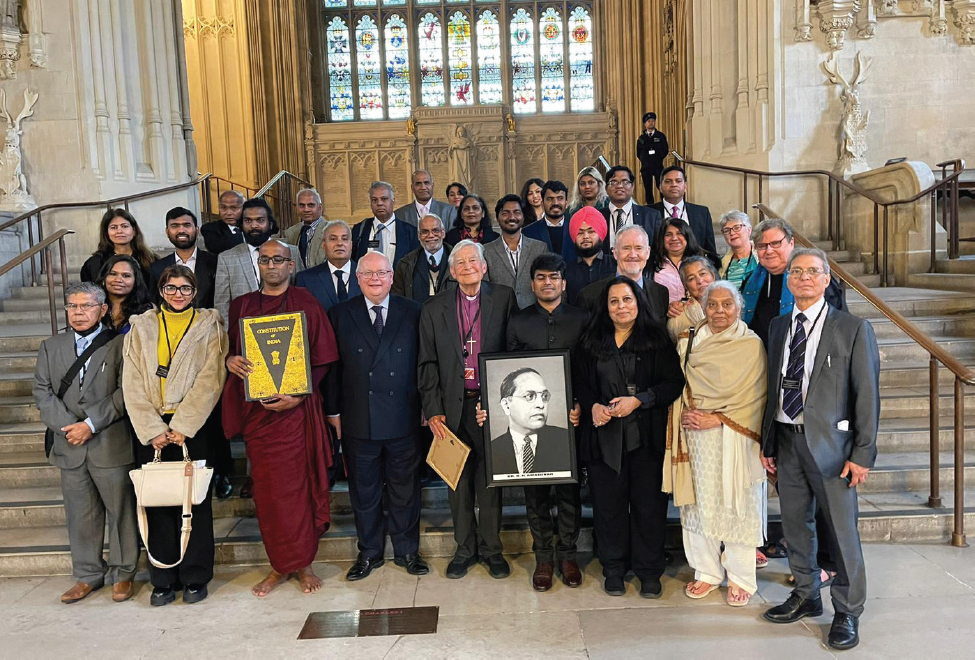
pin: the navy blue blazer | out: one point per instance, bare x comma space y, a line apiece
373, 385
406, 239
699, 219
321, 284
539, 231
206, 276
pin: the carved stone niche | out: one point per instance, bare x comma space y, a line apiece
10, 38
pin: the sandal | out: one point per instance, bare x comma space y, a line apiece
761, 561
776, 550
698, 596
736, 597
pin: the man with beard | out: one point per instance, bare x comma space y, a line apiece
587, 229
551, 232
237, 271
223, 234
509, 260
181, 231
285, 435
423, 272
550, 324
333, 281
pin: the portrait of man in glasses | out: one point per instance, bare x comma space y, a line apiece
530, 448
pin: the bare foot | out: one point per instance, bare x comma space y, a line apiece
268, 584
310, 583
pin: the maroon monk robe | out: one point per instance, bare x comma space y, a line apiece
288, 451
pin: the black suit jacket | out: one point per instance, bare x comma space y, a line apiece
699, 218
657, 295
535, 329
373, 385
218, 236
412, 276
658, 144
551, 453
206, 277
321, 284
406, 239
441, 364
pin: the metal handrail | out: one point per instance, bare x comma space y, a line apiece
277, 177
285, 209
45, 245
936, 354
948, 185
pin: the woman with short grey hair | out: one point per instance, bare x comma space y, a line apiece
696, 273
740, 260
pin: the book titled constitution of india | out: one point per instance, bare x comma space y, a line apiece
277, 345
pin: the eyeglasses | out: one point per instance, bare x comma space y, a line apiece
276, 260
171, 289
85, 307
612, 183
733, 229
811, 272
431, 232
369, 274
771, 245
530, 396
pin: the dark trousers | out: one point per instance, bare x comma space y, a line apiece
801, 487
165, 522
630, 514
480, 534
384, 486
538, 505
651, 183
219, 456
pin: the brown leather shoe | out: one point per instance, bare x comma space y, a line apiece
542, 577
571, 575
77, 592
122, 591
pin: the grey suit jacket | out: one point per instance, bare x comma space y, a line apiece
236, 276
501, 271
407, 212
99, 397
316, 251
844, 387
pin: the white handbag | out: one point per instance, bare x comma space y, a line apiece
176, 483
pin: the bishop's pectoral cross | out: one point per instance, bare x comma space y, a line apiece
470, 350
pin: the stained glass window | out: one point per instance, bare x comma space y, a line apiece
488, 58
339, 70
431, 60
580, 60
329, 4
369, 69
551, 43
522, 62
397, 68
364, 3
393, 3
459, 52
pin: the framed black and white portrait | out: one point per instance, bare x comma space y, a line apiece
528, 396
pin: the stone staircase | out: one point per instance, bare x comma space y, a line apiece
33, 538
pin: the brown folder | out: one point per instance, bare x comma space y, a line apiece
447, 458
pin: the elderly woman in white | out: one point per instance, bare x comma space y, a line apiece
696, 273
713, 465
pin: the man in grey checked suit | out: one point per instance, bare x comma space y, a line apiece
92, 446
820, 436
509, 260
237, 271
307, 234
422, 184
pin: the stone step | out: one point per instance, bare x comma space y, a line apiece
22, 343
33, 292
964, 265
37, 304
901, 402
910, 374
912, 302
900, 350
912, 434
16, 384
15, 409
18, 362
27, 437
943, 281
38, 316
956, 325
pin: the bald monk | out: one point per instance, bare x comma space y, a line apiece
285, 436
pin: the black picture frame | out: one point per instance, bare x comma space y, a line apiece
555, 451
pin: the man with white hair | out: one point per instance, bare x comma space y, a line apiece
424, 272
456, 326
309, 205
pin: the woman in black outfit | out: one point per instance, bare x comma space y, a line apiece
118, 233
125, 284
531, 197
473, 222
626, 376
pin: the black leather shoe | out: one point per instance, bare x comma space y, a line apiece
162, 596
222, 488
651, 588
614, 586
497, 567
794, 608
363, 567
845, 632
413, 564
457, 568
194, 593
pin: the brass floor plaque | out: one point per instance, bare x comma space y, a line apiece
370, 623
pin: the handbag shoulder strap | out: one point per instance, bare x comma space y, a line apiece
103, 338
187, 527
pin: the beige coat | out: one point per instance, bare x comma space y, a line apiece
195, 380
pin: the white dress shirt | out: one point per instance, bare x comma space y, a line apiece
189, 263
434, 278
669, 210
815, 314
254, 255
81, 374
422, 210
519, 441
627, 220
385, 309
514, 256
346, 274
389, 236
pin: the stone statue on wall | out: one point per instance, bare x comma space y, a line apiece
853, 126
10, 38
461, 157
13, 184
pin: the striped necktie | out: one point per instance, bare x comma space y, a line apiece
792, 398
527, 456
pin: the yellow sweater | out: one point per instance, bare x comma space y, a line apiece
175, 325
